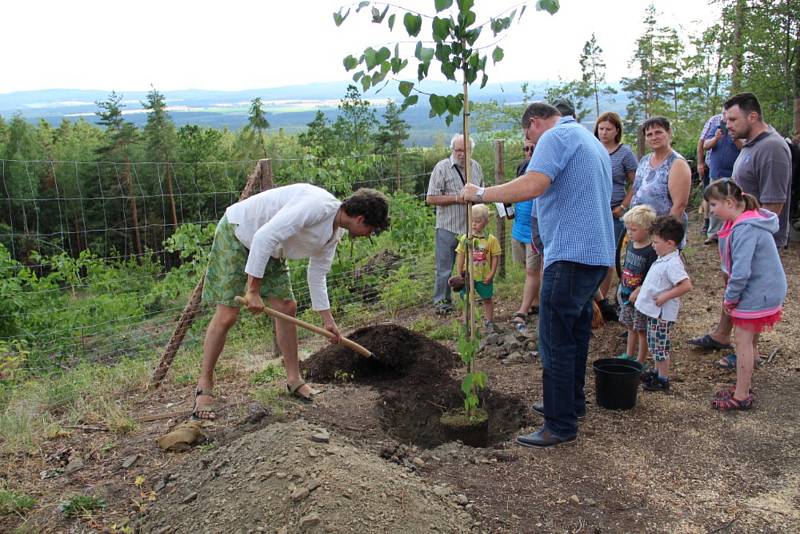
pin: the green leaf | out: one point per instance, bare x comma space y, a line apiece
390, 22
471, 75
441, 5
464, 5
357, 76
422, 70
438, 104
370, 58
365, 82
350, 62
449, 70
405, 88
413, 24
410, 101
448, 120
398, 64
466, 19
498, 54
551, 6
453, 104
442, 52
362, 5
383, 54
423, 53
484, 80
473, 35
441, 29
338, 18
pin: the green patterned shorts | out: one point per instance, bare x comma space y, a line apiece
225, 276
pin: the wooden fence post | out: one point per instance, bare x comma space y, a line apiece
499, 178
261, 175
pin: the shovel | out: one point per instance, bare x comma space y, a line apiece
352, 345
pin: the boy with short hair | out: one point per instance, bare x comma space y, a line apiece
639, 256
659, 297
485, 259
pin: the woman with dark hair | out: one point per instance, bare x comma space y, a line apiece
663, 178
608, 129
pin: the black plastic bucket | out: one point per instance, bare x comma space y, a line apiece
616, 383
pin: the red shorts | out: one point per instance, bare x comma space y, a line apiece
758, 325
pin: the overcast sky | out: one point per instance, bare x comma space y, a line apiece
238, 44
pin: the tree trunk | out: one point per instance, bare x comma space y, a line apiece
737, 54
134, 212
171, 198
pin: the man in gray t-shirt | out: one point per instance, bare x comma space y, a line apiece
764, 166
764, 170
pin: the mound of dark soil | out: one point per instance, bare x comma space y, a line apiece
399, 352
417, 379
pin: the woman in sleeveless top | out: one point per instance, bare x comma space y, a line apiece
663, 178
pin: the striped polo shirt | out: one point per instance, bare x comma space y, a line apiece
574, 214
445, 180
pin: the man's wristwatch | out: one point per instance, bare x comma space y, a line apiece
479, 193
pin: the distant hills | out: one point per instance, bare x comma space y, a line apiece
289, 108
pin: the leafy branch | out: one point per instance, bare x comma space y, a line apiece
455, 36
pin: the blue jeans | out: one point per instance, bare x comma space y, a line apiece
619, 229
446, 242
565, 326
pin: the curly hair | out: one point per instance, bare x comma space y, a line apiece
641, 215
667, 228
372, 205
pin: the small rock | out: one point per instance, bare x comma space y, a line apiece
462, 500
309, 521
189, 498
441, 491
321, 437
128, 462
75, 464
281, 475
575, 499
312, 452
299, 494
590, 502
313, 484
419, 462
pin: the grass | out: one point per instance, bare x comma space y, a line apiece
81, 504
14, 502
268, 375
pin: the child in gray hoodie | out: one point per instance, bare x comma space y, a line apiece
756, 285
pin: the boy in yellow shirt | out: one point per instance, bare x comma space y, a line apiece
485, 259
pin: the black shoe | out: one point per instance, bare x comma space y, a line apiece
608, 310
657, 384
543, 438
538, 407
648, 377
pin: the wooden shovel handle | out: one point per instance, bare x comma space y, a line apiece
352, 345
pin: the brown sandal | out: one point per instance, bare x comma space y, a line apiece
294, 391
208, 411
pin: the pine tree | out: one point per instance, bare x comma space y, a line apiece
161, 139
593, 72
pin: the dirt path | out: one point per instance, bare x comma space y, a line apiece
672, 464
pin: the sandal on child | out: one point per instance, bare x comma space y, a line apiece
205, 411
728, 362
732, 403
727, 392
294, 391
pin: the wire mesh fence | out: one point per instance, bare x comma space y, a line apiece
98, 259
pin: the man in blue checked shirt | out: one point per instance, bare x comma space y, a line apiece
570, 175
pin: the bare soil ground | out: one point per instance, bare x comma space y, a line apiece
671, 464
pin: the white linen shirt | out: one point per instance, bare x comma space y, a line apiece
665, 273
294, 222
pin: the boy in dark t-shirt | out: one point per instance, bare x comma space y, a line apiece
639, 256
